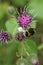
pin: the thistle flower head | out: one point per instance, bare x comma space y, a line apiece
20, 36
4, 36
24, 19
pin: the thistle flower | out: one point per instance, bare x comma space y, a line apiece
4, 36
20, 36
24, 20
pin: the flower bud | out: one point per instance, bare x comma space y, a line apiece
34, 59
22, 62
20, 36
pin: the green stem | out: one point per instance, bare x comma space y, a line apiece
26, 50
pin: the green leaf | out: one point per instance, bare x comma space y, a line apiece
35, 7
33, 24
21, 51
26, 48
30, 46
11, 25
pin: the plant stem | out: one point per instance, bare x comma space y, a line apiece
25, 50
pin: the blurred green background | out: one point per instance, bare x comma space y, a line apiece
7, 52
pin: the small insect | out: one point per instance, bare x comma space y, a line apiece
30, 32
10, 9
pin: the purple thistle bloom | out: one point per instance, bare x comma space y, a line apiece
4, 36
24, 20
